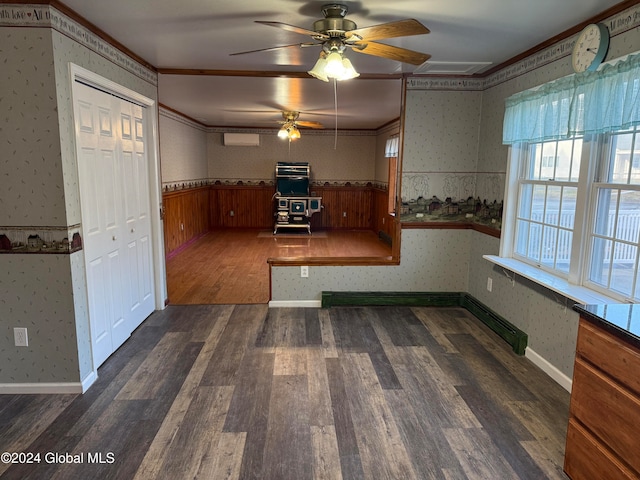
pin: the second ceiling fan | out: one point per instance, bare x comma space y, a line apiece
335, 33
290, 124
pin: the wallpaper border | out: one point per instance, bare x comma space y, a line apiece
617, 24
18, 15
40, 239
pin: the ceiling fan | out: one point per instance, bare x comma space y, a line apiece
290, 124
335, 33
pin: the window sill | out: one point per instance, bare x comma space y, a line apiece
579, 294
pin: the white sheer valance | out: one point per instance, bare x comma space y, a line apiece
392, 147
593, 102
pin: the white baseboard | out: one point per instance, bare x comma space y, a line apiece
60, 388
88, 380
544, 365
295, 303
41, 388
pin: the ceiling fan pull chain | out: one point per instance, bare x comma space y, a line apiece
335, 107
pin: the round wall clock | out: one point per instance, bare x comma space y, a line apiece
590, 48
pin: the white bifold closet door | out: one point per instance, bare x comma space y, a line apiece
113, 169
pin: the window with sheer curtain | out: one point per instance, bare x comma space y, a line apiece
391, 151
573, 186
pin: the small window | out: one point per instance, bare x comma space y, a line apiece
391, 153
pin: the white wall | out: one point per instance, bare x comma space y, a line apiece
352, 160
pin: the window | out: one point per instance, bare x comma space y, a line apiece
614, 237
391, 153
573, 184
545, 216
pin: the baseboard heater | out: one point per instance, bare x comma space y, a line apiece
508, 332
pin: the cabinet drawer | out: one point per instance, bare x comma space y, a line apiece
585, 458
609, 411
610, 354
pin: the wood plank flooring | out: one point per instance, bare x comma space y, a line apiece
248, 392
230, 266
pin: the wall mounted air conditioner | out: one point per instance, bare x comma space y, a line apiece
241, 140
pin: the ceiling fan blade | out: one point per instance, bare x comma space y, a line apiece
293, 28
299, 45
401, 28
302, 123
391, 52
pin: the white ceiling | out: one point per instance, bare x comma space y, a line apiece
466, 35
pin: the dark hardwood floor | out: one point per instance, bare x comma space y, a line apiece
229, 266
244, 391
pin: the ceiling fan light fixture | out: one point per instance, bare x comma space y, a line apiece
348, 71
283, 132
318, 70
334, 67
294, 133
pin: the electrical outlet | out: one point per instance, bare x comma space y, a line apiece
344, 214
20, 337
489, 283
232, 213
304, 271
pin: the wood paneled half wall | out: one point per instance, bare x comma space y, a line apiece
186, 216
192, 212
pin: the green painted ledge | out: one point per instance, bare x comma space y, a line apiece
512, 335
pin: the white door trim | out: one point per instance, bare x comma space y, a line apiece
83, 75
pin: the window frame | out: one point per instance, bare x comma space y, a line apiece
596, 150
605, 154
526, 162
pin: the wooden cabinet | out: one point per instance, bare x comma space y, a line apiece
602, 439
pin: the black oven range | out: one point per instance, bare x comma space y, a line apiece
294, 204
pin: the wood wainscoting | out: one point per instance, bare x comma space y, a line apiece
241, 206
193, 212
186, 216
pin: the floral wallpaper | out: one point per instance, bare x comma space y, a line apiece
183, 149
432, 253
43, 287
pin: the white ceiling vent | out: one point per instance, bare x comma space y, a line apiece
241, 140
451, 68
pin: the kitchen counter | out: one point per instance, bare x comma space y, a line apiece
619, 319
